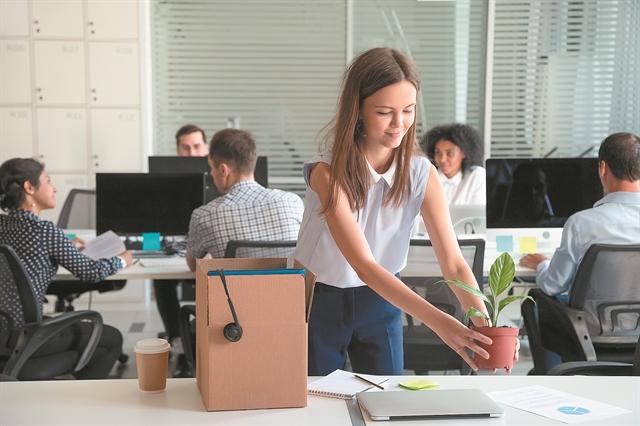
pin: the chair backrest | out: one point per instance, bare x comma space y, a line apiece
607, 289
19, 292
79, 210
259, 249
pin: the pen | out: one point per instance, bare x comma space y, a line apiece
368, 381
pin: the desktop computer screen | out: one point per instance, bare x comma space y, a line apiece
533, 193
133, 203
536, 196
173, 164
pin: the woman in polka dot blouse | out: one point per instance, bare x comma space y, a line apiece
26, 190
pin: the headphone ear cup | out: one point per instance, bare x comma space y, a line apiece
232, 332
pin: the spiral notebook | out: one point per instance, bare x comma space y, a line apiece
342, 384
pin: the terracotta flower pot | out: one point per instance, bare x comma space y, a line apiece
502, 350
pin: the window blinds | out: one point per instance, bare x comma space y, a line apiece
565, 75
274, 64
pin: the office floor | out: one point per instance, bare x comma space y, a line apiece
140, 320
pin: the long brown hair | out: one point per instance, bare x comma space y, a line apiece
369, 72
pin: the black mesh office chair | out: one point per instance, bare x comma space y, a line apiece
424, 351
78, 212
262, 249
602, 319
599, 368
18, 345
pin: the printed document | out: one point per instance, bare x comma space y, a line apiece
104, 246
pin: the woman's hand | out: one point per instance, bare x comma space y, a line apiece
127, 256
78, 243
457, 336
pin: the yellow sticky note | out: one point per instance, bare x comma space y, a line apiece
528, 245
419, 384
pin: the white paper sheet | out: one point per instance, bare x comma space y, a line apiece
104, 246
555, 405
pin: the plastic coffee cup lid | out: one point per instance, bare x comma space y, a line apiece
151, 346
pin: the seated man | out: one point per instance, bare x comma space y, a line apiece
615, 219
190, 142
246, 210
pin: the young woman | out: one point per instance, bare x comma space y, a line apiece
456, 150
361, 201
26, 190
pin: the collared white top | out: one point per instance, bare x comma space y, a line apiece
386, 228
614, 219
465, 188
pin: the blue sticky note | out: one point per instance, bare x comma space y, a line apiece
504, 243
151, 241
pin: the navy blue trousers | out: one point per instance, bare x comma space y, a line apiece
358, 322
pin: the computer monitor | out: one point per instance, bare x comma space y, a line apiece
174, 164
133, 203
536, 196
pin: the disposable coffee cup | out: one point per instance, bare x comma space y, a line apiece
152, 358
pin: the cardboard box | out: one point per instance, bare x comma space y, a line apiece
267, 367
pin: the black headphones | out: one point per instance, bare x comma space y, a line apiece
232, 331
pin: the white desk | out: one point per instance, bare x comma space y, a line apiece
139, 272
104, 402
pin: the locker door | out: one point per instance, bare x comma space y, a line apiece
15, 74
60, 72
16, 133
63, 183
57, 18
62, 139
14, 18
114, 74
115, 19
116, 140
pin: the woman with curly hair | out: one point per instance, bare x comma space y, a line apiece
456, 150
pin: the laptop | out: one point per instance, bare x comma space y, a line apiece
429, 405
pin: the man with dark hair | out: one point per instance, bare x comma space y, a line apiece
615, 219
191, 141
246, 210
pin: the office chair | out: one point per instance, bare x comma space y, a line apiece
599, 368
424, 351
18, 345
78, 212
263, 249
259, 249
602, 319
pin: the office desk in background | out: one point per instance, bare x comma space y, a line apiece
102, 402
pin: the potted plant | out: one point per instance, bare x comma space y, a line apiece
504, 338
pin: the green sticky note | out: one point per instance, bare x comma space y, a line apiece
70, 236
528, 245
419, 384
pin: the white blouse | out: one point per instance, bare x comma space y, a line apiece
386, 228
465, 188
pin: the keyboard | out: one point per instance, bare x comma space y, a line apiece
155, 262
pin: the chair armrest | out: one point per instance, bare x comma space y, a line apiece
592, 368
34, 335
566, 323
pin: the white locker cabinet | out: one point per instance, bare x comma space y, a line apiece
114, 75
116, 138
57, 18
59, 72
15, 72
14, 18
62, 139
16, 133
112, 19
63, 183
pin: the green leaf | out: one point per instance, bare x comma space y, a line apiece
467, 288
501, 274
507, 300
473, 312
